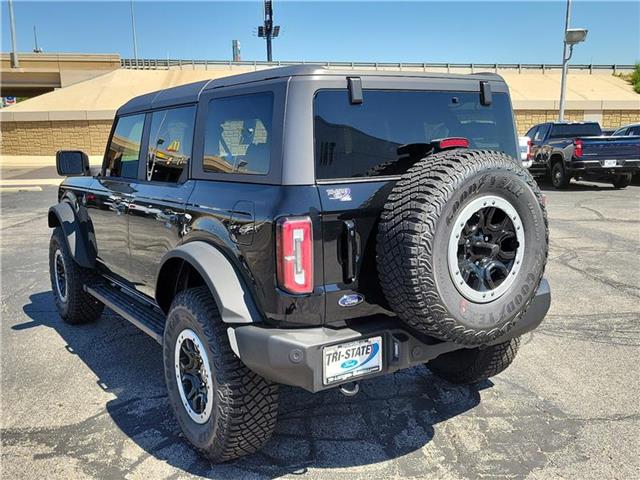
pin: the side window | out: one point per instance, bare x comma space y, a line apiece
237, 134
170, 142
124, 150
633, 131
541, 133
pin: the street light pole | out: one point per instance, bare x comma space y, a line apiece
268, 30
15, 63
133, 30
565, 63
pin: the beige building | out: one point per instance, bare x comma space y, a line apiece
78, 115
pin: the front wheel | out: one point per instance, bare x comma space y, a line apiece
224, 409
559, 177
473, 365
621, 181
68, 279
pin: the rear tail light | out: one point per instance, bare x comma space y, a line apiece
453, 142
529, 154
294, 244
577, 151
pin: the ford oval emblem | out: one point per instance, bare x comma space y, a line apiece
349, 363
350, 300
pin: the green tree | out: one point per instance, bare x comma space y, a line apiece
635, 78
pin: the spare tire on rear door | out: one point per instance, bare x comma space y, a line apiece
462, 245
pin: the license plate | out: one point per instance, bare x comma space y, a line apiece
610, 163
351, 360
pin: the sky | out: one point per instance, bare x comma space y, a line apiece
429, 31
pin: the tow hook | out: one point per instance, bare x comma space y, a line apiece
350, 389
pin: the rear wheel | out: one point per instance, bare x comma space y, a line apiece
473, 365
224, 409
68, 279
621, 181
559, 177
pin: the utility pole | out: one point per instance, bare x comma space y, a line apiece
565, 64
572, 36
15, 63
235, 50
133, 30
35, 39
268, 30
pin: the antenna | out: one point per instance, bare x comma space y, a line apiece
268, 30
35, 39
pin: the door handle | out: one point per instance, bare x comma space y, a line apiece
350, 251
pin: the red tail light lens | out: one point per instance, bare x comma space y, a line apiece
294, 243
577, 151
453, 142
529, 155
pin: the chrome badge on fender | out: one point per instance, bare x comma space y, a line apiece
340, 194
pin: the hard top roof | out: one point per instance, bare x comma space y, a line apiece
190, 93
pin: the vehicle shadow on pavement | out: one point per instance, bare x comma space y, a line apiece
392, 416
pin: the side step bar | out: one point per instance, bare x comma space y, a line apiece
147, 318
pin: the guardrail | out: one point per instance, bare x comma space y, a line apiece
166, 64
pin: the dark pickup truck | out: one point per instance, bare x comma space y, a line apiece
307, 227
580, 150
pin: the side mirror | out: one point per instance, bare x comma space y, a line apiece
72, 163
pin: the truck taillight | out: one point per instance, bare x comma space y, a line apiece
577, 151
529, 154
294, 244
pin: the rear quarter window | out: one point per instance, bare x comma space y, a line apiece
362, 140
238, 134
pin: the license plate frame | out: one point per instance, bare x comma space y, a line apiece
351, 360
610, 163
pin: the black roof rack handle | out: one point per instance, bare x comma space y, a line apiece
485, 93
355, 90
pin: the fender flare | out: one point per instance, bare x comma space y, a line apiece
63, 215
233, 297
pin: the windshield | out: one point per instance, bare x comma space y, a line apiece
363, 140
573, 130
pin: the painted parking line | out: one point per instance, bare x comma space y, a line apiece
20, 189
23, 182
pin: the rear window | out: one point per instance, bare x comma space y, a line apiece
362, 140
570, 130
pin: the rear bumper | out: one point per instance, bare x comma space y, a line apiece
578, 167
294, 356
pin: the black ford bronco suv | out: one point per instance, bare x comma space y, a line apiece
307, 227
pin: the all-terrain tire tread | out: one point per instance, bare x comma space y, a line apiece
247, 404
82, 307
489, 362
405, 241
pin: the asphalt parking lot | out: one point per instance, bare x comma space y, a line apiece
90, 401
